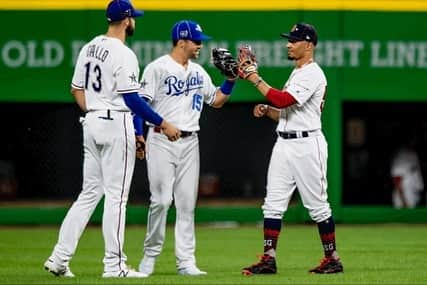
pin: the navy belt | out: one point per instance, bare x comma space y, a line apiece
107, 113
108, 117
184, 134
293, 135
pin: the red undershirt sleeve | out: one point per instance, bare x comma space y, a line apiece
397, 180
280, 99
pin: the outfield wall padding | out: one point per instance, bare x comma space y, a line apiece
137, 214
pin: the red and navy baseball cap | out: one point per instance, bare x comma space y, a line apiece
302, 32
118, 10
188, 30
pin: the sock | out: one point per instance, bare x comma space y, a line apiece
327, 236
272, 229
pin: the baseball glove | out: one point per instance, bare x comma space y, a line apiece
225, 62
140, 149
247, 62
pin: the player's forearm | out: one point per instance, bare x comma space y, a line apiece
259, 83
79, 97
220, 99
402, 197
138, 124
223, 93
397, 182
280, 99
273, 113
141, 108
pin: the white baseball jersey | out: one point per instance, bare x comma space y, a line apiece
177, 93
300, 162
308, 86
406, 165
105, 69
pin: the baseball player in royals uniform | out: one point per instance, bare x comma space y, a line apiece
105, 85
299, 157
177, 89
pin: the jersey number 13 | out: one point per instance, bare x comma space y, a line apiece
93, 77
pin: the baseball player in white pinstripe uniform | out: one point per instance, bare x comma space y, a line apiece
105, 85
299, 157
177, 89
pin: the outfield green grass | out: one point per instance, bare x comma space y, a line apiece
372, 254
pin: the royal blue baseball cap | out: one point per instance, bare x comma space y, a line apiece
188, 30
118, 10
302, 32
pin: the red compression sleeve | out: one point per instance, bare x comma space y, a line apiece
280, 99
397, 180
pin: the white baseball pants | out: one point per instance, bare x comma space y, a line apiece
173, 173
299, 163
109, 160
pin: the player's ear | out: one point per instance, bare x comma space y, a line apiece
181, 43
126, 21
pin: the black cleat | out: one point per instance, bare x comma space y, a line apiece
266, 265
328, 265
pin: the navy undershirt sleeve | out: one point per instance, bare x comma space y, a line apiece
139, 122
141, 108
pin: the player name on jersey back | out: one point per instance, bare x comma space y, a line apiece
97, 52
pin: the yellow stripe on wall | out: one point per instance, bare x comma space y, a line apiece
360, 5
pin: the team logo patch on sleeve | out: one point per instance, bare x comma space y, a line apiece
133, 78
143, 83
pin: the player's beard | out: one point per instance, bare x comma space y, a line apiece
193, 55
291, 57
130, 30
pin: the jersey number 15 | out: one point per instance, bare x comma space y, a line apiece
197, 102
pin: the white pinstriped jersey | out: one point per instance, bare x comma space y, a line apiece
98, 61
177, 93
307, 85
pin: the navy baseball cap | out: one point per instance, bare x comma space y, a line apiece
118, 10
302, 32
188, 30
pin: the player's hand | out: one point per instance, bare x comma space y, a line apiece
247, 62
260, 110
172, 132
140, 147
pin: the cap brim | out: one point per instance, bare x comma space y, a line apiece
289, 36
203, 37
137, 13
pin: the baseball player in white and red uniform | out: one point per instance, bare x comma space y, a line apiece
105, 85
299, 157
177, 89
406, 176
